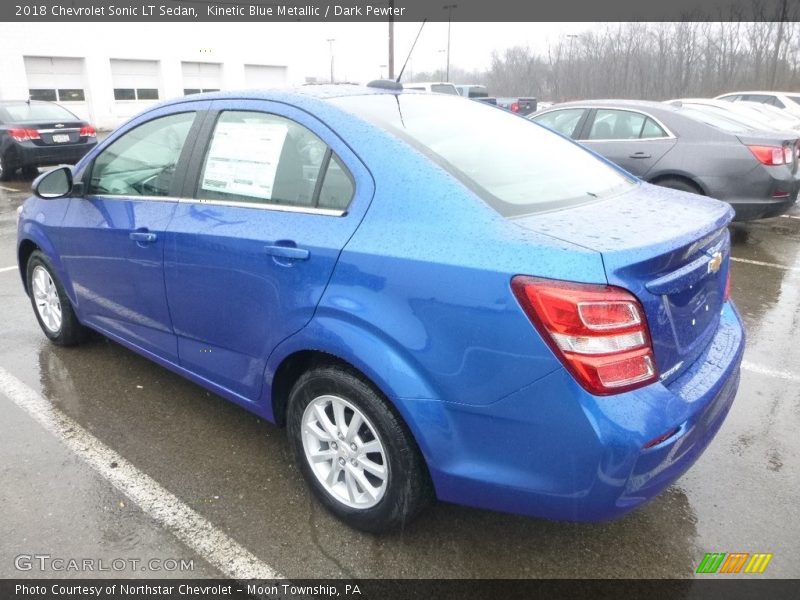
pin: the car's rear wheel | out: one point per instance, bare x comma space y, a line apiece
5, 170
50, 302
354, 451
676, 183
30, 172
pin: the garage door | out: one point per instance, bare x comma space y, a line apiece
264, 76
201, 77
58, 79
136, 85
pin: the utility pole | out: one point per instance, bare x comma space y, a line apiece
330, 45
391, 39
449, 8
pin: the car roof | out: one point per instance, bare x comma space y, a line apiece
641, 105
762, 92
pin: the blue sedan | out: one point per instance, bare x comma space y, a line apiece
438, 299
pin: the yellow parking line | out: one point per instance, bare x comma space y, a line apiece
4, 269
9, 189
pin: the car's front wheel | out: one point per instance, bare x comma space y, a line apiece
50, 302
354, 451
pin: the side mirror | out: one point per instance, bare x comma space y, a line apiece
53, 184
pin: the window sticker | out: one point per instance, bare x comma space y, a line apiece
243, 158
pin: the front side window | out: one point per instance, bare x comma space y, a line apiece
142, 162
512, 164
262, 158
563, 121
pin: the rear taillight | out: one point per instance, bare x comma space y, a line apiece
772, 155
23, 135
515, 107
598, 332
88, 131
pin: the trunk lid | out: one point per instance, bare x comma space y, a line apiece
669, 248
53, 133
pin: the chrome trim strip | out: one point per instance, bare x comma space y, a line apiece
68, 130
328, 212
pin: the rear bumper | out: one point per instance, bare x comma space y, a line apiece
753, 196
27, 154
555, 451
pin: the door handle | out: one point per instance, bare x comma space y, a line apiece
290, 252
143, 237
639, 155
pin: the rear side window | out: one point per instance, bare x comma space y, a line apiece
795, 99
651, 129
142, 162
612, 124
514, 165
563, 121
262, 158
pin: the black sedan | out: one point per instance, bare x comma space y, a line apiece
35, 134
687, 149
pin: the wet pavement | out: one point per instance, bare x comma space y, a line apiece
235, 470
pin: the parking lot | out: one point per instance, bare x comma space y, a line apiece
236, 499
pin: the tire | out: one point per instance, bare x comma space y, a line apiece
30, 172
50, 302
679, 184
358, 496
5, 171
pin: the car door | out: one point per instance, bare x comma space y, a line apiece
631, 139
112, 237
275, 197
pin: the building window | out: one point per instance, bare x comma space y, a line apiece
40, 94
71, 95
51, 95
135, 94
147, 94
190, 91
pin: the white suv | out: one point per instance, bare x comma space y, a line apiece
789, 101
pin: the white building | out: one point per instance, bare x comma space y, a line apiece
107, 72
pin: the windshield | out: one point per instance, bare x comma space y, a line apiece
35, 111
513, 164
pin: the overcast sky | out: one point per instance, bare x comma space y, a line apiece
361, 48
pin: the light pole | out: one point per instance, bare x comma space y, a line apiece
449, 8
572, 37
330, 46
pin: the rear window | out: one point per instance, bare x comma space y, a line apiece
35, 111
724, 123
443, 88
795, 99
513, 164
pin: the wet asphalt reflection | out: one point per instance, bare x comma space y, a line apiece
236, 470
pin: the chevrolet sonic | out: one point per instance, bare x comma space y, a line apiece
437, 298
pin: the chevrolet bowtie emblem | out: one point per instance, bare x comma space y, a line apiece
715, 263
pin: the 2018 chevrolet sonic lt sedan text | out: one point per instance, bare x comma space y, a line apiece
437, 298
